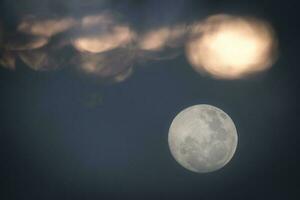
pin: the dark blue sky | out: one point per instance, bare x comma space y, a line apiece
67, 136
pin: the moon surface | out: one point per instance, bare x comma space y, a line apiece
202, 138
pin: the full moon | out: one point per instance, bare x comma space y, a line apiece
202, 138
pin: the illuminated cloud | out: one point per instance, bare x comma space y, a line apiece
25, 42
118, 36
158, 39
177, 36
44, 59
45, 27
92, 21
115, 64
33, 44
101, 33
36, 60
154, 40
8, 60
231, 47
105, 46
123, 75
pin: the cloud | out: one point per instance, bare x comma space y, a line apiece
154, 39
106, 46
118, 37
160, 38
105, 18
45, 27
231, 47
8, 60
42, 59
101, 32
116, 64
19, 42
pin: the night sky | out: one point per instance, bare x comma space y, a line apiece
65, 135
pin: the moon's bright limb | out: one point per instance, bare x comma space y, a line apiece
202, 138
